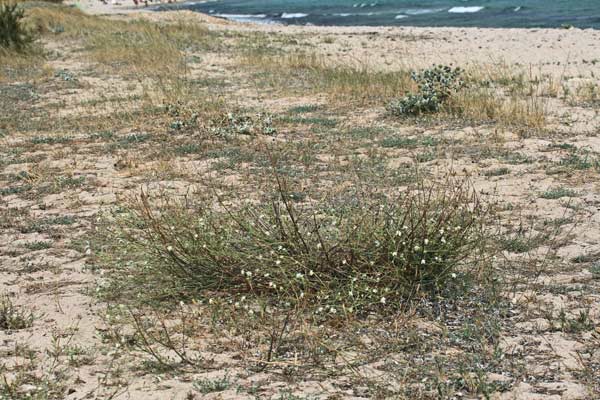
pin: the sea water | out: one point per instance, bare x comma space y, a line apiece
482, 13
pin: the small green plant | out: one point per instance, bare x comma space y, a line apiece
409, 142
497, 172
436, 85
580, 161
11, 317
579, 323
38, 245
206, 386
13, 35
231, 124
521, 243
595, 270
557, 193
307, 108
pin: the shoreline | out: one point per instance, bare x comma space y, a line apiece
535, 52
96, 7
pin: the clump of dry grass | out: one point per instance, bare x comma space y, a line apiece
482, 104
341, 82
136, 46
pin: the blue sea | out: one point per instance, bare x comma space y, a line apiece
481, 13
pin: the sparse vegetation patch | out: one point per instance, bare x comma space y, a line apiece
330, 258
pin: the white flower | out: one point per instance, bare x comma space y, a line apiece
301, 295
210, 301
398, 233
311, 272
417, 248
343, 262
299, 275
382, 300
426, 241
394, 254
248, 274
443, 240
453, 275
277, 262
423, 262
169, 249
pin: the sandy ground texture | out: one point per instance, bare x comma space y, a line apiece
74, 150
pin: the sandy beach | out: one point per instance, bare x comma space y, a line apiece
88, 126
572, 52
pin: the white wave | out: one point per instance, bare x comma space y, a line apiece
293, 15
255, 18
241, 16
421, 11
517, 8
400, 16
463, 10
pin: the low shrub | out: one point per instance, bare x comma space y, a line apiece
13, 34
436, 85
336, 257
